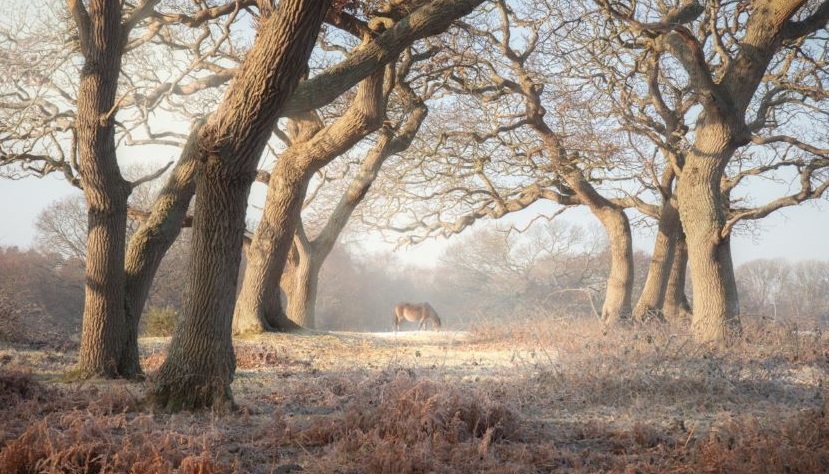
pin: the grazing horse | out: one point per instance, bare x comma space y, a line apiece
420, 313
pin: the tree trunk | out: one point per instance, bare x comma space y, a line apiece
617, 301
716, 310
153, 239
201, 360
618, 296
720, 130
106, 192
269, 314
303, 283
200, 364
431, 19
286, 192
257, 307
300, 281
104, 326
675, 307
653, 294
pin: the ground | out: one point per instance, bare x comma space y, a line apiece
535, 396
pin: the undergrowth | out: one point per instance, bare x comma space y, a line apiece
539, 396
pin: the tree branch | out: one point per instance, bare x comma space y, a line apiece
816, 21
142, 12
81, 17
151, 176
431, 19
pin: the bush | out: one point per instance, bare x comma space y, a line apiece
160, 322
28, 324
9, 319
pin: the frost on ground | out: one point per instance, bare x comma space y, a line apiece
540, 396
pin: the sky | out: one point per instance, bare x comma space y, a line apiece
798, 233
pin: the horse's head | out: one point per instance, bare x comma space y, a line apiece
435, 321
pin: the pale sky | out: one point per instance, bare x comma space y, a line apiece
798, 233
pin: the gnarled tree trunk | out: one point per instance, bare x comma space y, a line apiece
257, 307
200, 364
716, 309
287, 187
301, 279
652, 299
151, 242
675, 307
619, 291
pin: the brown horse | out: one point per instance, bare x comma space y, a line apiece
420, 313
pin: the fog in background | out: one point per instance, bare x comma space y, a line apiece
487, 274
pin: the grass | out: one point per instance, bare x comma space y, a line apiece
541, 396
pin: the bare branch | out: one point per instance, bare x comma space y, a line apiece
143, 11
809, 25
82, 21
151, 176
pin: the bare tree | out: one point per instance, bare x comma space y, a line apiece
502, 275
200, 364
738, 62
301, 277
75, 131
524, 135
258, 307
103, 35
61, 228
762, 283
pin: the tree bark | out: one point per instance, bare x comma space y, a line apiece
303, 281
153, 239
257, 307
652, 299
286, 192
106, 192
716, 309
200, 364
619, 291
675, 307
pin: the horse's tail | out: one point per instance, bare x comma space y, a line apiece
396, 320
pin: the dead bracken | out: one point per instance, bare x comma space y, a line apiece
546, 396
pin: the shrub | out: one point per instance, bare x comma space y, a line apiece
29, 324
160, 322
9, 319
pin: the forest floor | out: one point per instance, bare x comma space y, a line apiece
541, 396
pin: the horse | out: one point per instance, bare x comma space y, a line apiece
420, 313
